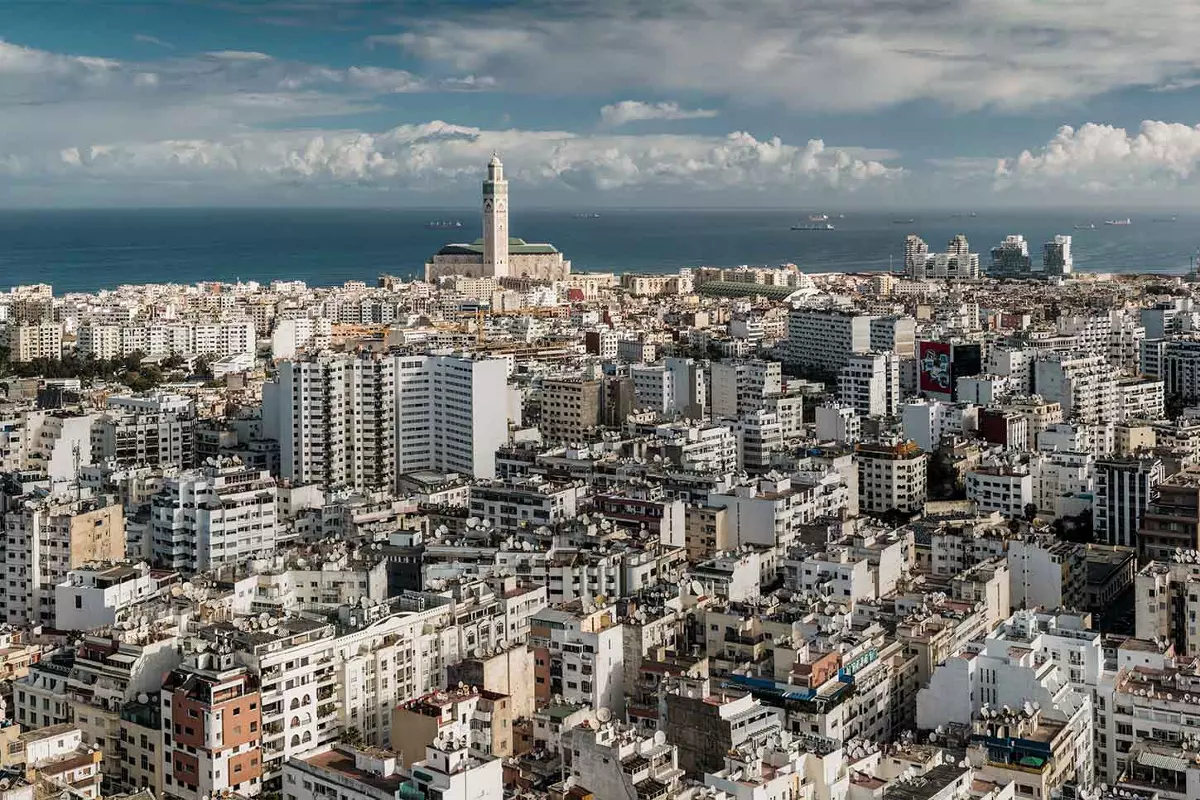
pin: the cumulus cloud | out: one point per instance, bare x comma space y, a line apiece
1098, 158
230, 120
814, 54
431, 155
628, 111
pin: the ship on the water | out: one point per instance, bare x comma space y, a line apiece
442, 224
1120, 223
1091, 226
818, 217
825, 227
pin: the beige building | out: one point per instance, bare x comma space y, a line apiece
570, 409
706, 532
1039, 413
1132, 437
484, 719
27, 342
46, 538
509, 672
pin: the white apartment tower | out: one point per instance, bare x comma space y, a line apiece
916, 253
891, 478
1085, 386
222, 513
335, 418
495, 220
870, 384
451, 413
741, 387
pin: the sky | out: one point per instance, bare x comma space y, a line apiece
845, 103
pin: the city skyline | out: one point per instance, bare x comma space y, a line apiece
772, 104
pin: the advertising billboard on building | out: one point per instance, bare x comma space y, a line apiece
933, 365
965, 360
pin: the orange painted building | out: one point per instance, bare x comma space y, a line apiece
212, 729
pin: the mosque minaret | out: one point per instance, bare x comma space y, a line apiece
498, 254
495, 220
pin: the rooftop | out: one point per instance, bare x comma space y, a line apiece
344, 764
516, 247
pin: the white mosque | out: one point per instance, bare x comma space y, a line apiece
497, 255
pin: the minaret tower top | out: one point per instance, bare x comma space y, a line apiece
495, 220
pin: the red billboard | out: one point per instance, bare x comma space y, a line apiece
934, 368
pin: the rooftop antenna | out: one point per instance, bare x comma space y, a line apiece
76, 458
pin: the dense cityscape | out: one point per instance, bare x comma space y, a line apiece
509, 531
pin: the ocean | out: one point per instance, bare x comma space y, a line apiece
87, 250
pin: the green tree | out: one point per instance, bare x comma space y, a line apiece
203, 370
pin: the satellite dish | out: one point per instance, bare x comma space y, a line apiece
143, 698
604, 715
660, 737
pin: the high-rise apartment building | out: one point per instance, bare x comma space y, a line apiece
740, 387
334, 417
1010, 258
137, 439
1057, 261
452, 413
958, 262
361, 420
916, 253
825, 340
1123, 489
870, 384
43, 539
1085, 386
1169, 520
1180, 368
222, 513
40, 340
575, 409
891, 478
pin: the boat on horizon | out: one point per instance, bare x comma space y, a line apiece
818, 217
1091, 226
823, 227
1171, 218
1120, 223
587, 215
441, 224
903, 221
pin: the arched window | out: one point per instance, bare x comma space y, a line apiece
295, 741
307, 699
295, 703
295, 722
307, 737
